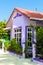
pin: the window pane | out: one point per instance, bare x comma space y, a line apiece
28, 34
15, 30
15, 35
29, 29
19, 30
20, 41
17, 39
19, 34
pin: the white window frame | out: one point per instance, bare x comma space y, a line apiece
28, 32
17, 32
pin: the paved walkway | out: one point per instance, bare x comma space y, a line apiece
11, 59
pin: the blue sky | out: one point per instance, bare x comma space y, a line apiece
7, 6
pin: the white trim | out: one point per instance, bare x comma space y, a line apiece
36, 18
34, 35
7, 28
33, 51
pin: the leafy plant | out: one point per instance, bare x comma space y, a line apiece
0, 44
6, 45
4, 33
15, 47
39, 44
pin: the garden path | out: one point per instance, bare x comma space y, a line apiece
11, 59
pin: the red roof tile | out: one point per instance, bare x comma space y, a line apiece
30, 13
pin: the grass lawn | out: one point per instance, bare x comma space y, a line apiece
11, 59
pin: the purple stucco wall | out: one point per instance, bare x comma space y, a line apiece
21, 21
39, 23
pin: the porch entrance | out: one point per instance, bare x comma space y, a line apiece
29, 42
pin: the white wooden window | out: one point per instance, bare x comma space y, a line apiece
17, 35
29, 33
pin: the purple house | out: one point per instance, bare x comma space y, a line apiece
19, 25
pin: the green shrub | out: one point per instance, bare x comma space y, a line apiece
15, 47
12, 45
39, 44
0, 44
6, 45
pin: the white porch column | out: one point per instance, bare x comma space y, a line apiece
12, 31
3, 46
34, 43
23, 42
23, 48
33, 51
